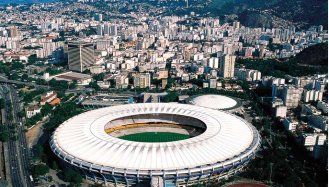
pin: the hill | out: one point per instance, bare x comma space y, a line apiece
314, 55
273, 13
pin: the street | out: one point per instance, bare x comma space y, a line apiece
19, 157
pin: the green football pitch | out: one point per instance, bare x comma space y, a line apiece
155, 137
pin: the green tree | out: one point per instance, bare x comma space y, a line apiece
17, 65
171, 97
40, 169
2, 103
94, 85
46, 109
99, 77
4, 133
21, 114
25, 77
73, 84
72, 176
54, 165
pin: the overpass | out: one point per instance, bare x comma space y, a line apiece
5, 80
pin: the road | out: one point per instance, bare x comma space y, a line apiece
6, 81
23, 149
19, 158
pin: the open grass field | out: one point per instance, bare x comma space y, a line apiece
155, 137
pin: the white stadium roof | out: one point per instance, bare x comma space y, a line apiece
214, 101
82, 139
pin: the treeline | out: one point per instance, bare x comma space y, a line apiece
43, 152
273, 67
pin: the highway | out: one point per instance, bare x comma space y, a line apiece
19, 158
24, 151
6, 81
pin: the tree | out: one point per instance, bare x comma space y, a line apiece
4, 133
13, 76
99, 77
60, 114
59, 85
4, 68
46, 109
17, 66
39, 152
21, 114
73, 84
72, 176
94, 85
2, 103
54, 165
41, 82
40, 169
25, 77
171, 97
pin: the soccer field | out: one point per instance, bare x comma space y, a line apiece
155, 137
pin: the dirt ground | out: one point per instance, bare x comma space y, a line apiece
33, 134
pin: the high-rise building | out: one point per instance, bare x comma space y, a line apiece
13, 32
164, 83
312, 95
213, 62
113, 30
106, 29
213, 83
142, 80
291, 96
80, 56
227, 64
236, 24
99, 17
100, 30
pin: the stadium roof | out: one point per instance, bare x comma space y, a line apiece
82, 139
215, 102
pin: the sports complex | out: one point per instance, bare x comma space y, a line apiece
157, 144
217, 102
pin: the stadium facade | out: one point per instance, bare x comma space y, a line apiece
222, 146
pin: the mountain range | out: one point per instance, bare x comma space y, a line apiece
273, 13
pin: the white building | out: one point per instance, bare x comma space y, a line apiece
310, 140
247, 74
281, 111
142, 80
32, 111
213, 62
312, 95
290, 124
212, 83
291, 96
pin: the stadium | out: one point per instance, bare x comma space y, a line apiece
155, 144
217, 102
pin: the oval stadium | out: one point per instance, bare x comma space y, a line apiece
217, 102
155, 144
